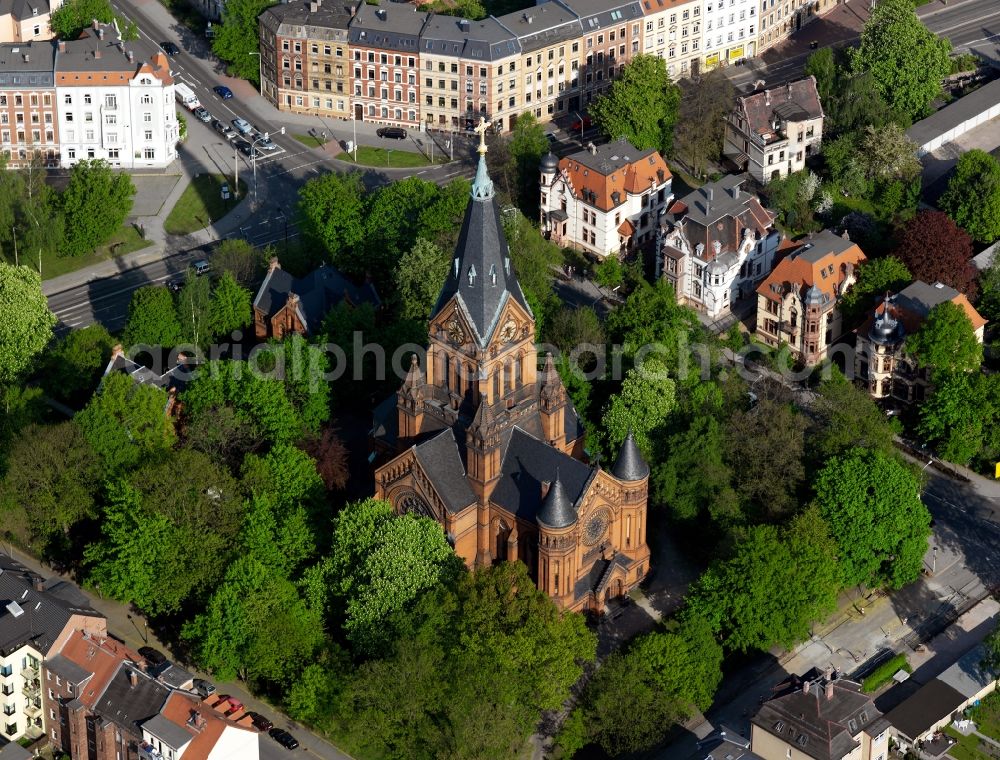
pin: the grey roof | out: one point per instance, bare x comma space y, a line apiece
919, 298
296, 19
968, 676
541, 25
630, 465
176, 378
66, 668
167, 731
956, 113
931, 703
601, 14
176, 677
482, 277
318, 292
527, 462
129, 706
27, 65
485, 40
985, 259
28, 616
557, 510
820, 244
724, 744
611, 156
14, 751
441, 461
80, 54
714, 200
392, 26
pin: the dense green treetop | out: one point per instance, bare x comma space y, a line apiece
152, 319
74, 16
236, 37
25, 320
845, 417
73, 366
961, 419
527, 145
645, 401
946, 341
973, 195
419, 275
875, 278
95, 204
230, 308
332, 206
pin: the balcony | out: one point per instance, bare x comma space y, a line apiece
146, 752
30, 672
32, 688
33, 708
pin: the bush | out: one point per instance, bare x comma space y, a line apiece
884, 673
963, 63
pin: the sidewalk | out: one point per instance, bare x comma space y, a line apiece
125, 626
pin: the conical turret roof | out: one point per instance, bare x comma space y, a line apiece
557, 509
630, 465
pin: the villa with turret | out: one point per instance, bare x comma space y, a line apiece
482, 440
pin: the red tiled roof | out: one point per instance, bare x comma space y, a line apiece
100, 656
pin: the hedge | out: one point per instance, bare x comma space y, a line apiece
884, 673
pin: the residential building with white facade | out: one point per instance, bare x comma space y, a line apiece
604, 200
770, 133
672, 30
779, 18
729, 33
716, 245
115, 101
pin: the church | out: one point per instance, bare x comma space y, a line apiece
489, 445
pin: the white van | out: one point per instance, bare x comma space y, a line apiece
186, 97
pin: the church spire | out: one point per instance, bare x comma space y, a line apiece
482, 185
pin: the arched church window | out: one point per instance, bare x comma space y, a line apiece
412, 504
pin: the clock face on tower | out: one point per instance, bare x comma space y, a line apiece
456, 333
596, 527
509, 331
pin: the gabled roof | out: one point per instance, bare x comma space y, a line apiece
27, 65
539, 26
601, 14
126, 705
100, 50
194, 720
931, 703
329, 20
818, 268
795, 101
98, 656
442, 463
605, 176
484, 40
387, 25
176, 378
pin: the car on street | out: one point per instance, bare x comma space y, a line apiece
203, 688
283, 738
392, 133
222, 91
242, 126
222, 128
245, 148
170, 48
265, 143
154, 657
201, 113
175, 285
579, 124
200, 267
260, 722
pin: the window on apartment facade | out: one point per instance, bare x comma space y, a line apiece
149, 154
149, 135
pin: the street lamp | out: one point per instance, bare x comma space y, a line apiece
260, 71
354, 124
253, 160
577, 114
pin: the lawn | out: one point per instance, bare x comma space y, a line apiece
392, 159
200, 204
309, 141
126, 240
966, 748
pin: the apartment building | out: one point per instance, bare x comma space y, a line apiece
468, 70
770, 133
305, 60
27, 20
612, 36
672, 31
549, 37
36, 617
115, 101
730, 32
881, 363
28, 118
384, 41
716, 244
797, 302
604, 200
779, 18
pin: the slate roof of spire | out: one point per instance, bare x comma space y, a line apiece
482, 276
557, 509
630, 465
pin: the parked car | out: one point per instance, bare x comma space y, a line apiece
222, 91
203, 688
244, 147
583, 123
265, 143
235, 705
222, 128
200, 267
393, 133
175, 285
201, 114
170, 48
260, 722
242, 126
154, 657
283, 738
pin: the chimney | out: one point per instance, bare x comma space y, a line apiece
313, 7
805, 687
546, 484
736, 192
97, 54
273, 264
788, 90
381, 14
96, 24
62, 46
117, 351
829, 689
38, 583
133, 678
463, 24
27, 57
100, 33
767, 97
131, 56
710, 192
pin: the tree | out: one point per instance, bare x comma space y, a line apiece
533, 258
419, 275
52, 478
637, 696
194, 304
859, 104
701, 119
989, 291
844, 418
823, 66
946, 342
126, 422
875, 278
230, 308
792, 197
240, 259
651, 316
871, 501
95, 204
380, 563
737, 594
332, 207
25, 320
906, 60
641, 105
393, 224
331, 455
610, 272
887, 154
933, 249
236, 37
973, 195
255, 626
845, 166
303, 371
74, 16
645, 401
991, 652
152, 319
570, 328
74, 365
528, 144
961, 419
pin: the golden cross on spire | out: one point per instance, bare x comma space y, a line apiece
481, 129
